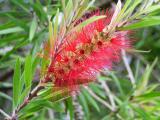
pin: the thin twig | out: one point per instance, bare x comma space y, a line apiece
99, 99
130, 73
5, 114
31, 95
108, 92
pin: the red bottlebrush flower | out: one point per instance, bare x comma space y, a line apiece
83, 54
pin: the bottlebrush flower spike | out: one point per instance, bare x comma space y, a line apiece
85, 53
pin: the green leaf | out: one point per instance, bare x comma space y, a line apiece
152, 87
58, 107
23, 94
69, 8
151, 9
32, 29
117, 82
81, 10
18, 45
7, 64
28, 71
51, 35
126, 5
56, 26
57, 95
39, 10
85, 6
7, 25
11, 30
146, 22
97, 89
84, 104
20, 4
39, 104
150, 95
64, 7
70, 107
107, 117
5, 84
144, 115
45, 92
20, 23
10, 38
16, 83
5, 96
91, 100
132, 7
88, 21
144, 79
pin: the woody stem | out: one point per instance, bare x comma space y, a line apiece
31, 95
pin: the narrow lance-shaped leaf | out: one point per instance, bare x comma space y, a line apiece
83, 102
55, 28
91, 100
11, 30
16, 83
145, 78
150, 95
151, 9
21, 5
51, 35
149, 21
28, 71
117, 82
3, 95
130, 10
32, 29
69, 8
18, 22
97, 89
64, 8
70, 107
85, 6
126, 5
81, 10
88, 21
144, 115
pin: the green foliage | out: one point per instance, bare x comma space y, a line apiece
146, 22
70, 107
11, 30
16, 83
24, 28
33, 29
88, 21
145, 79
28, 71
91, 100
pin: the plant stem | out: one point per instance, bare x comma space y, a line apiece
4, 113
108, 92
99, 99
31, 95
130, 73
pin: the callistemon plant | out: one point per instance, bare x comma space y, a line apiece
84, 53
82, 43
